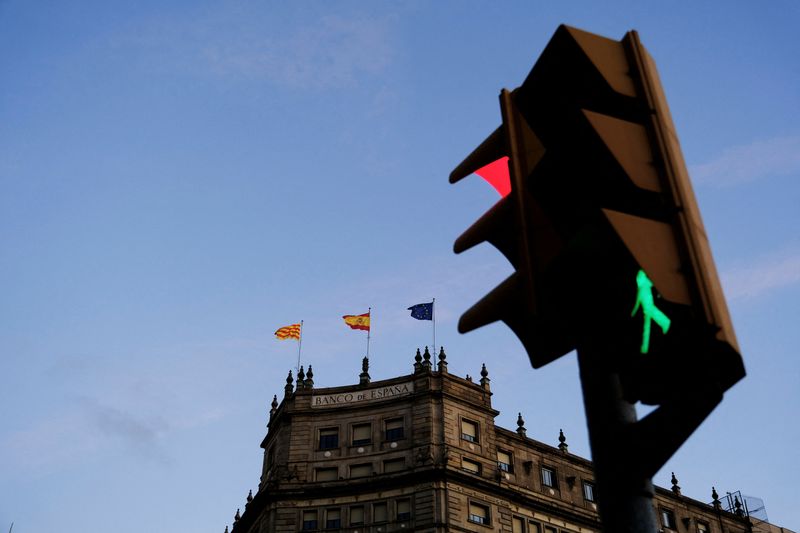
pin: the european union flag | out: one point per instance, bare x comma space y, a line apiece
422, 311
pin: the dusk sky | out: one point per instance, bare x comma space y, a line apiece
179, 179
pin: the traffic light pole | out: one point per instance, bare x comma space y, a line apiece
625, 497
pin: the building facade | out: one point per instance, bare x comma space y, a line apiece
421, 452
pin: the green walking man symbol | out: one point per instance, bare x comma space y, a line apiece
644, 297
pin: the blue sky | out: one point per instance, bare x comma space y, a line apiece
179, 179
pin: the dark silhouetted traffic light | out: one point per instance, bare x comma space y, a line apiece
602, 226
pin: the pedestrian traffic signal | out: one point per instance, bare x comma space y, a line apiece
601, 224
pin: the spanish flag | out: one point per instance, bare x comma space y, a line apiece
289, 332
357, 321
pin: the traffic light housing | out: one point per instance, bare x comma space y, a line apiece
518, 227
600, 198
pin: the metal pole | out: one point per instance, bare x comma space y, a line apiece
299, 347
369, 329
625, 497
433, 312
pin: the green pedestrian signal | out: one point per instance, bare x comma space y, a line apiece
644, 297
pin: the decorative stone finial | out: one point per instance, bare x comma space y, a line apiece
226, 529
675, 488
442, 360
484, 377
309, 381
289, 387
469, 378
417, 362
363, 377
301, 377
250, 496
274, 405
715, 499
737, 506
521, 431
562, 441
237, 516
426, 356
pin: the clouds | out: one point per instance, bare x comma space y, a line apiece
327, 51
106, 406
136, 431
79, 428
332, 52
737, 165
32, 449
767, 274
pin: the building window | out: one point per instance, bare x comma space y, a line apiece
394, 465
505, 461
326, 474
470, 466
356, 515
333, 519
469, 431
395, 429
702, 527
588, 491
328, 438
309, 520
362, 470
668, 518
550, 529
534, 527
379, 513
478, 514
362, 434
403, 510
549, 477
517, 525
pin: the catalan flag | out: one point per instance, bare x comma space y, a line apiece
289, 332
357, 321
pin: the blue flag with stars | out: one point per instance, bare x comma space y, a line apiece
422, 311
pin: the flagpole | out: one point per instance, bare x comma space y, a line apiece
433, 313
369, 329
299, 347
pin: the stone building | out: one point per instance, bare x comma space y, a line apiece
421, 452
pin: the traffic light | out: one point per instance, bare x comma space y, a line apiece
602, 226
518, 227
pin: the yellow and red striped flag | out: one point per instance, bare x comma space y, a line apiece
288, 332
357, 321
